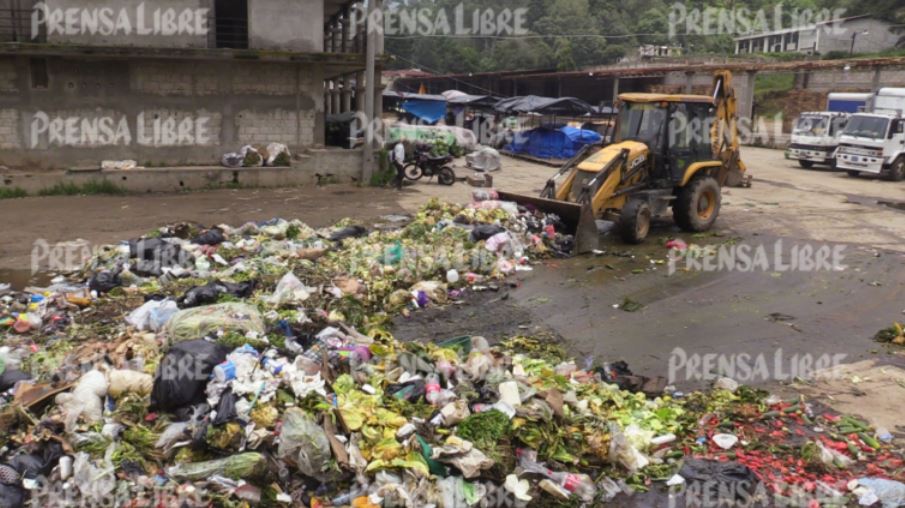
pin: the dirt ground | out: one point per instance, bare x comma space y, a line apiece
756, 313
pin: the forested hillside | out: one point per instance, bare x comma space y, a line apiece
568, 34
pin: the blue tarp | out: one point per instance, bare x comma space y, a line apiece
428, 111
548, 143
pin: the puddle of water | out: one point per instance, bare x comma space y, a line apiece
899, 205
20, 279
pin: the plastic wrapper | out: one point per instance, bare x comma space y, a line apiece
290, 290
306, 442
890, 493
240, 466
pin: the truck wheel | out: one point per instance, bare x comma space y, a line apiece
697, 204
805, 164
896, 171
634, 221
852, 173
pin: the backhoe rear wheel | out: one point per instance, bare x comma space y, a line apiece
698, 204
634, 221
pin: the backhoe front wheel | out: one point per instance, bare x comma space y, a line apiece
698, 204
634, 221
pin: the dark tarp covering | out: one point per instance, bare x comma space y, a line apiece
474, 101
544, 105
550, 143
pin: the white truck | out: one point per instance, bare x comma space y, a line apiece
874, 142
816, 134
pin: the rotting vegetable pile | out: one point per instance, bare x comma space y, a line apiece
254, 365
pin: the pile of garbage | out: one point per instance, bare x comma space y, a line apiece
273, 154
255, 365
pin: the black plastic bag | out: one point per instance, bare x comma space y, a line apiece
213, 236
618, 373
226, 408
152, 255
12, 496
104, 282
39, 462
184, 372
710, 479
348, 232
210, 293
10, 377
485, 231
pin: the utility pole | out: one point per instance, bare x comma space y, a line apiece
373, 36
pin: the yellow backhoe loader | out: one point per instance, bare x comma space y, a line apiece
667, 151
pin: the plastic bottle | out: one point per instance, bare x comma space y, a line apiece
432, 389
580, 485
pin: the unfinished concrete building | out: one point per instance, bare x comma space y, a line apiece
176, 82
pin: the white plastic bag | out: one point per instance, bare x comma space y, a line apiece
289, 291
153, 315
274, 150
85, 401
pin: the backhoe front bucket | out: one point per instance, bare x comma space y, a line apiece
578, 218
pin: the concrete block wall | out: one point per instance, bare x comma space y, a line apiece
129, 23
294, 25
318, 166
162, 112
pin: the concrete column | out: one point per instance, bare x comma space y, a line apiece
374, 36
345, 20
360, 92
346, 94
875, 82
615, 90
689, 81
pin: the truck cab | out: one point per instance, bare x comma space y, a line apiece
815, 138
816, 134
874, 142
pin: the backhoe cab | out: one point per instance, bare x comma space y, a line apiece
668, 151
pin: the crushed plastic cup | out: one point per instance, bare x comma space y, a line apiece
725, 441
